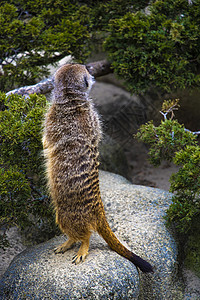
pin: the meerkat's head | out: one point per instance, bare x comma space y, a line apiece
73, 78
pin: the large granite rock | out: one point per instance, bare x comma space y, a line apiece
135, 214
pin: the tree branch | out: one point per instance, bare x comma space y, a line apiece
99, 68
96, 69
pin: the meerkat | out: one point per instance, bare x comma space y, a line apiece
72, 132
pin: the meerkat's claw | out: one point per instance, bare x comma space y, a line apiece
58, 250
75, 259
78, 258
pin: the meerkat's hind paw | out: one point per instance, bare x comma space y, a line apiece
82, 252
64, 247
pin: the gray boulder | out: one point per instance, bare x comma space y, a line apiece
135, 214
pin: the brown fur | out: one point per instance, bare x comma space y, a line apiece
72, 133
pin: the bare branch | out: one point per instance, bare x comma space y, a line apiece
43, 87
96, 69
170, 110
193, 132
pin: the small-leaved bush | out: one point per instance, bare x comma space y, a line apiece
38, 33
171, 141
151, 44
23, 197
157, 47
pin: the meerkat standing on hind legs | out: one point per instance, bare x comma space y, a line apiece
71, 136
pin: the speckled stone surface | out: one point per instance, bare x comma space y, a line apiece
135, 214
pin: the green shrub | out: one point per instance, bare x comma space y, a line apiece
23, 198
170, 141
37, 33
186, 186
157, 49
153, 47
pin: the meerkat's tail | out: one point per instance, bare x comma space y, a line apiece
105, 231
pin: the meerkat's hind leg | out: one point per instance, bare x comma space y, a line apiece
65, 246
83, 251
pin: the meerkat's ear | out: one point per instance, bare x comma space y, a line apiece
88, 68
86, 81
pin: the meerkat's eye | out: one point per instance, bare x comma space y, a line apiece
86, 81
